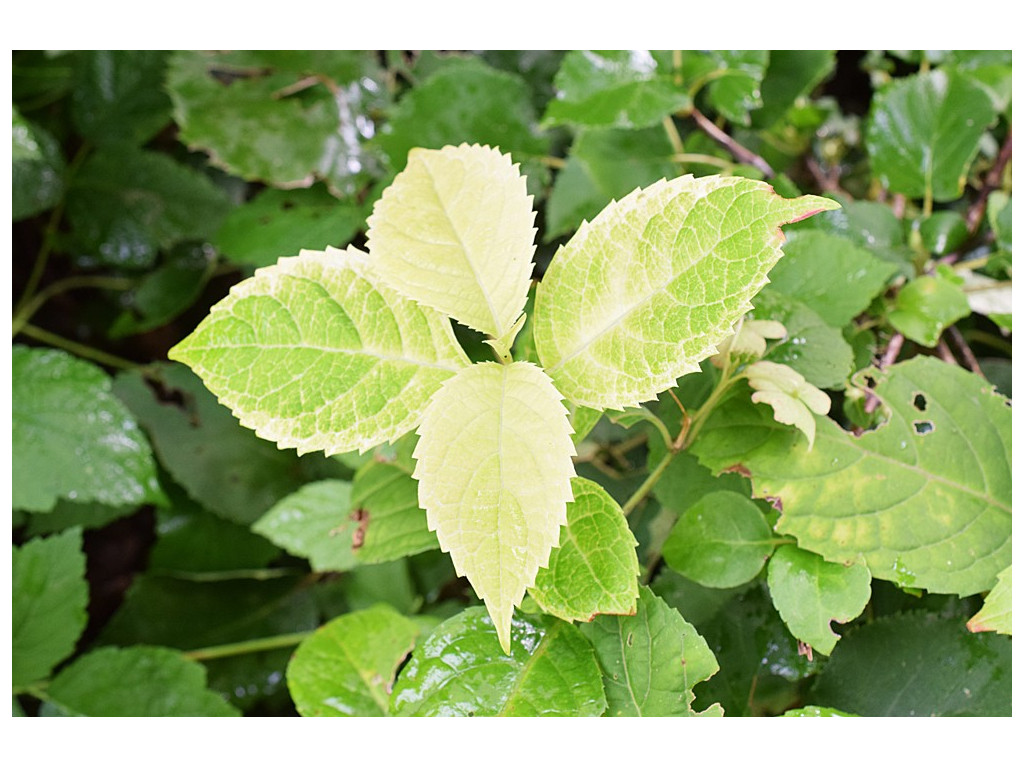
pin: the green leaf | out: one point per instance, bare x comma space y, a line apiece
223, 100
454, 231
37, 171
792, 399
992, 70
830, 275
605, 164
735, 90
315, 353
620, 89
314, 523
48, 604
949, 670
460, 670
789, 76
279, 223
811, 593
119, 96
594, 569
466, 101
192, 540
924, 502
651, 661
72, 438
721, 541
166, 292
686, 481
127, 204
642, 294
814, 711
224, 467
136, 682
762, 669
925, 130
996, 615
486, 429
812, 347
390, 523
68, 514
926, 306
869, 224
346, 668
944, 232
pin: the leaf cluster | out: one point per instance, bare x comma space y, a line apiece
776, 479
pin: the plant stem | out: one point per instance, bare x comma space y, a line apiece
738, 151
694, 157
248, 646
74, 347
645, 488
32, 306
49, 237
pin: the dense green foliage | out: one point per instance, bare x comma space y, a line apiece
816, 511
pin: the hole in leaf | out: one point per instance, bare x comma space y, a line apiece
923, 427
919, 402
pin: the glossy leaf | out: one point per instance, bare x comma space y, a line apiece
953, 671
389, 522
620, 89
925, 130
346, 668
790, 75
223, 466
454, 231
166, 292
996, 615
278, 223
811, 593
247, 108
37, 170
792, 399
642, 294
721, 541
651, 661
830, 275
72, 438
594, 568
466, 101
812, 347
125, 205
815, 711
922, 498
136, 682
49, 596
315, 353
735, 83
926, 306
605, 164
315, 523
119, 96
483, 431
460, 670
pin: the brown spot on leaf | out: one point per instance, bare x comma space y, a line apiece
361, 516
775, 501
738, 469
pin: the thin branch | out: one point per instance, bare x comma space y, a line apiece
737, 150
104, 282
965, 351
892, 351
74, 347
992, 180
946, 353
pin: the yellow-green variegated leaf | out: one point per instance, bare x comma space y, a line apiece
454, 231
648, 289
317, 353
494, 464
